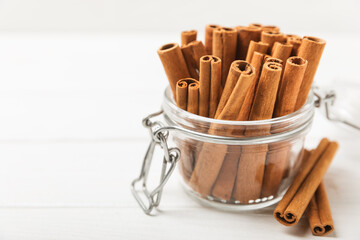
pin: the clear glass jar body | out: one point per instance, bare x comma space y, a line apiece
238, 165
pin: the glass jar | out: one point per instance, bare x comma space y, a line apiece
230, 165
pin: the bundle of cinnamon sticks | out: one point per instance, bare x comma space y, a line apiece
243, 73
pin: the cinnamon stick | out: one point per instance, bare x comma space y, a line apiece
281, 51
174, 64
311, 49
252, 160
296, 199
181, 94
210, 84
270, 37
294, 71
234, 74
256, 25
294, 40
192, 53
245, 35
209, 163
319, 213
193, 98
224, 47
271, 28
208, 37
234, 108
256, 47
188, 36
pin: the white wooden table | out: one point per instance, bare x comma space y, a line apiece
71, 141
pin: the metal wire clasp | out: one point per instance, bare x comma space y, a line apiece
327, 100
159, 136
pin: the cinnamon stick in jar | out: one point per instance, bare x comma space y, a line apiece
281, 51
188, 37
234, 74
319, 213
224, 47
245, 35
311, 49
192, 53
209, 29
224, 184
174, 64
293, 205
210, 85
252, 160
295, 41
278, 155
187, 95
209, 163
256, 47
271, 28
270, 37
294, 71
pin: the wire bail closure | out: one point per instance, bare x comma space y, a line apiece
326, 99
171, 156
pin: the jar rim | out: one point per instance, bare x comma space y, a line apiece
304, 110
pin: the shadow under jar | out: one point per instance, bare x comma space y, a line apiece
238, 165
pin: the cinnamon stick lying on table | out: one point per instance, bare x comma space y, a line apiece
211, 156
278, 155
245, 35
270, 37
174, 64
210, 84
319, 213
256, 47
224, 47
311, 49
188, 37
252, 160
293, 205
209, 37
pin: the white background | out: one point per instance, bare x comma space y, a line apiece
77, 77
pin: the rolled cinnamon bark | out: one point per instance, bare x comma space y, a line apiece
271, 28
193, 98
252, 160
256, 25
210, 85
278, 155
295, 41
311, 49
208, 37
277, 61
188, 37
245, 35
319, 213
296, 199
256, 62
256, 47
224, 47
192, 53
174, 64
281, 51
224, 184
290, 86
181, 94
270, 37
234, 74
209, 163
